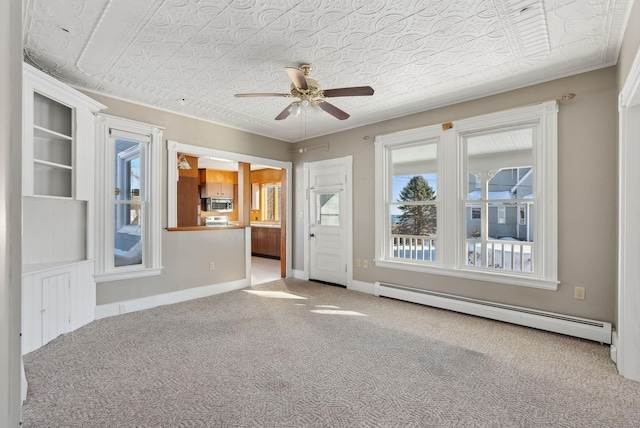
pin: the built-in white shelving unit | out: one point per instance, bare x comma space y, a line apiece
58, 167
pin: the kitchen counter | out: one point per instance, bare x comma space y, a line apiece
217, 227
265, 224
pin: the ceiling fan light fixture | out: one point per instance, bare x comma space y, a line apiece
295, 109
309, 95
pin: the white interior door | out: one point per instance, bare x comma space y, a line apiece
328, 222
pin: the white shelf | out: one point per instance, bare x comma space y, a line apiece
52, 165
40, 132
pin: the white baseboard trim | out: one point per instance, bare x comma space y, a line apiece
614, 347
118, 308
361, 286
300, 274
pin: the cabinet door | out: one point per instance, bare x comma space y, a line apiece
211, 190
271, 242
262, 241
226, 190
55, 306
254, 240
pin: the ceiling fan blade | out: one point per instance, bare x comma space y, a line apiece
297, 77
285, 113
333, 110
262, 95
355, 91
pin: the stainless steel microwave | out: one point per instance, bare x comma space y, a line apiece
217, 204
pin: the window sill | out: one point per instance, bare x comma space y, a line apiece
489, 276
130, 230
127, 274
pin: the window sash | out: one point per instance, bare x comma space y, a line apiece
142, 252
452, 212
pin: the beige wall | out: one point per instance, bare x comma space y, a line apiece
186, 255
586, 193
10, 210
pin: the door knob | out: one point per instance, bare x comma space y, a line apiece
312, 235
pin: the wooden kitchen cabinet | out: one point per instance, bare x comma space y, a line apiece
265, 241
216, 190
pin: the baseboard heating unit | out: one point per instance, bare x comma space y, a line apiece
598, 331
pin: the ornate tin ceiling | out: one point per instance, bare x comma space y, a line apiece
192, 56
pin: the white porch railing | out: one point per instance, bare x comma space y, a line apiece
413, 247
505, 255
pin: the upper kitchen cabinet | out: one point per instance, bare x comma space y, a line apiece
217, 183
58, 138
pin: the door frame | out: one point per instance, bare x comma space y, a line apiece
347, 161
626, 340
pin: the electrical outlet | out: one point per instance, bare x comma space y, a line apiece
579, 293
212, 266
365, 264
358, 262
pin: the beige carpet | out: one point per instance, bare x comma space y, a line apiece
294, 354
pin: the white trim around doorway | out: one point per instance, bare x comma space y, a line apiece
626, 349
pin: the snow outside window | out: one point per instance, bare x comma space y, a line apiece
477, 201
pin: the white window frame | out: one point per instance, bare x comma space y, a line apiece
451, 190
404, 140
151, 232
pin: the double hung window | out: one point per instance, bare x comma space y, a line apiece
475, 200
129, 155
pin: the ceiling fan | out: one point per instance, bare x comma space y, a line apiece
308, 92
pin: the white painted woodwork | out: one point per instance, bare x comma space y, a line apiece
54, 231
451, 253
598, 331
58, 288
107, 128
329, 246
628, 325
58, 134
56, 300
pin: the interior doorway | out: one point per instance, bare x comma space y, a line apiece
264, 270
268, 220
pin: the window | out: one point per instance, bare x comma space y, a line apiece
476, 201
412, 205
128, 199
328, 209
271, 202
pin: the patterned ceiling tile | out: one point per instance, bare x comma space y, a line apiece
417, 54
